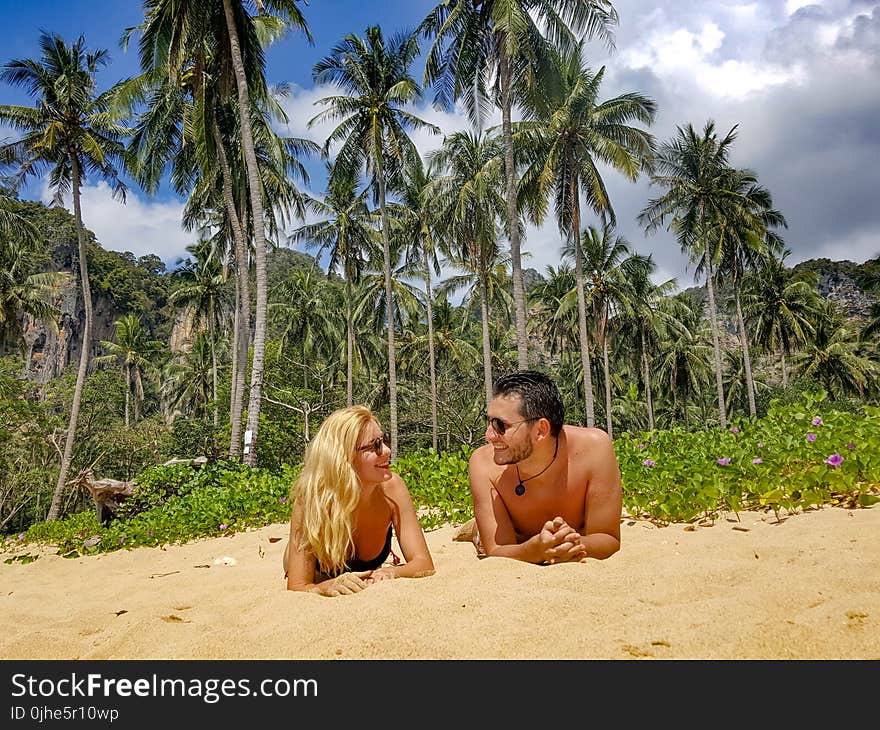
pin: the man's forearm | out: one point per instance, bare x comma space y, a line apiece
600, 545
528, 551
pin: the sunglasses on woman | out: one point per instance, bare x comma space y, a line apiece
500, 427
376, 444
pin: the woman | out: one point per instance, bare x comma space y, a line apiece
345, 504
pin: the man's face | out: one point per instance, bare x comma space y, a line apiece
515, 444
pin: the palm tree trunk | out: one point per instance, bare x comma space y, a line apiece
519, 300
82, 371
349, 346
487, 348
784, 368
647, 375
256, 199
716, 345
582, 308
389, 308
747, 360
234, 365
127, 391
242, 299
138, 393
214, 374
431, 365
607, 387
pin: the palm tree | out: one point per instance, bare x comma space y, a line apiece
414, 224
695, 172
22, 296
212, 204
684, 360
206, 293
643, 322
71, 131
373, 134
548, 301
173, 29
612, 267
134, 351
831, 356
568, 133
780, 307
187, 382
483, 52
454, 352
346, 232
302, 307
469, 204
745, 240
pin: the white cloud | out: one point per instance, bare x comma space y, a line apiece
140, 226
791, 6
683, 57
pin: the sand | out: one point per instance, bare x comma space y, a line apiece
805, 587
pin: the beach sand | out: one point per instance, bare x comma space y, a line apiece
806, 587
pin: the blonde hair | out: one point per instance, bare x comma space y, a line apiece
328, 488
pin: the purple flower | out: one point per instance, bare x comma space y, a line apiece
817, 421
724, 461
640, 447
648, 462
282, 499
21, 536
851, 446
223, 525
835, 460
760, 444
757, 460
150, 533
811, 437
734, 430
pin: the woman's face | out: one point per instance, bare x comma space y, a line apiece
373, 456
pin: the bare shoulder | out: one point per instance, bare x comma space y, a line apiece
481, 458
482, 469
395, 486
589, 443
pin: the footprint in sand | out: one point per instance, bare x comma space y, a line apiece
855, 619
172, 619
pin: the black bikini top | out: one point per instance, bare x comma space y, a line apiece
356, 565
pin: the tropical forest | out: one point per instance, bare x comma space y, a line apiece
195, 386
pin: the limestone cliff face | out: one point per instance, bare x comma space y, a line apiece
182, 332
50, 350
843, 289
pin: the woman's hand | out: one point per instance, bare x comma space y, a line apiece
345, 584
382, 574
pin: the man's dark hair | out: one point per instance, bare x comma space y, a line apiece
539, 396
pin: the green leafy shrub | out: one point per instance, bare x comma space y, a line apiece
174, 504
438, 483
799, 456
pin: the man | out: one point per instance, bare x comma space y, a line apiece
543, 492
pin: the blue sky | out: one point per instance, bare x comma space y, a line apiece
802, 81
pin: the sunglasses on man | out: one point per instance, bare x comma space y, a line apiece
377, 444
500, 427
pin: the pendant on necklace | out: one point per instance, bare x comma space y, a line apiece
520, 489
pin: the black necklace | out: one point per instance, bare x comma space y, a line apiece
520, 488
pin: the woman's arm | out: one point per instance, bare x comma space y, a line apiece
417, 557
300, 567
